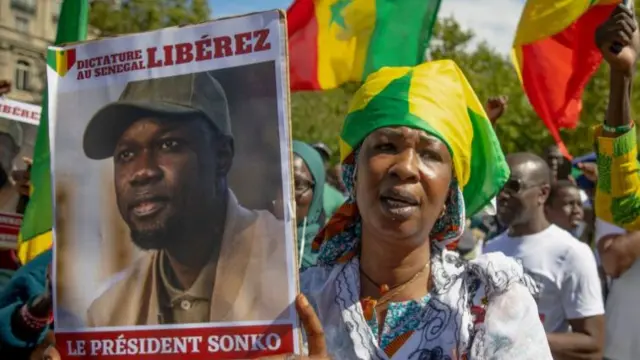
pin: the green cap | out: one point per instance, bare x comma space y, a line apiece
174, 97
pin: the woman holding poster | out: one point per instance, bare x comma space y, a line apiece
386, 285
418, 154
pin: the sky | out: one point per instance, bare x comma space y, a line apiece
492, 20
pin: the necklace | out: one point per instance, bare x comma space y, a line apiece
388, 293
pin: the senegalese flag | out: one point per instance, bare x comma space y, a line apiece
555, 55
61, 60
35, 234
332, 42
437, 98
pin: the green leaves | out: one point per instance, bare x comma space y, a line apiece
144, 15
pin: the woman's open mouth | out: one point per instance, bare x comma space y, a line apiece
400, 205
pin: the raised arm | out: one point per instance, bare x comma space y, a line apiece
618, 188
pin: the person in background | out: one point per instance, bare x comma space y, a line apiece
26, 312
11, 136
309, 178
617, 199
563, 207
8, 258
334, 178
333, 198
5, 87
563, 269
560, 167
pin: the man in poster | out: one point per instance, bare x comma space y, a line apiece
207, 258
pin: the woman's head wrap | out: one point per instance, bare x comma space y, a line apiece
437, 98
309, 226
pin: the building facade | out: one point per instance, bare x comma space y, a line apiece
27, 28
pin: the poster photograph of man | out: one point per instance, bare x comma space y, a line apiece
165, 182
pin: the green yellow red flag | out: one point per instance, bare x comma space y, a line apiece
332, 42
36, 231
555, 56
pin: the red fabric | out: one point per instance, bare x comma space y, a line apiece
556, 70
9, 260
302, 27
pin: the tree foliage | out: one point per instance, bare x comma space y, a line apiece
318, 116
143, 15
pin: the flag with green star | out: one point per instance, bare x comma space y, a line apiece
332, 42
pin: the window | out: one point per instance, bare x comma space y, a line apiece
23, 75
56, 12
22, 24
24, 5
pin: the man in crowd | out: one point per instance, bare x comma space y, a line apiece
332, 197
618, 187
564, 206
11, 136
563, 269
559, 165
207, 257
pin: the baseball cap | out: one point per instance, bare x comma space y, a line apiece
13, 129
172, 97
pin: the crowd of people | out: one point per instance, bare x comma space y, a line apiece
415, 247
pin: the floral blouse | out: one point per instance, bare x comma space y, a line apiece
481, 309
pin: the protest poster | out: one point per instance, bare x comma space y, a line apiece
18, 128
169, 149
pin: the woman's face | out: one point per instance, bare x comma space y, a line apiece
303, 187
402, 182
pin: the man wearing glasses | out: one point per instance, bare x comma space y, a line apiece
564, 269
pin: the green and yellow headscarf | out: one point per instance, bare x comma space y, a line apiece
434, 97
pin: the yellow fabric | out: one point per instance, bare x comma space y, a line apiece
439, 95
27, 250
544, 18
617, 197
337, 44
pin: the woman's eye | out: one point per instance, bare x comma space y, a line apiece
430, 155
386, 147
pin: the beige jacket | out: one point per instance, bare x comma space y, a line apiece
251, 278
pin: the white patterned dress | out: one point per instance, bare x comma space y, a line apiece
482, 309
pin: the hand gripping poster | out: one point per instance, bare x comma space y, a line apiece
169, 149
18, 128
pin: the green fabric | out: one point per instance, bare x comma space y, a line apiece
38, 218
309, 226
487, 160
333, 199
385, 110
401, 34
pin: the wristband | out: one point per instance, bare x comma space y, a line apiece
34, 322
618, 129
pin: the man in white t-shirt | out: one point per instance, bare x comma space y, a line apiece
563, 269
623, 316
